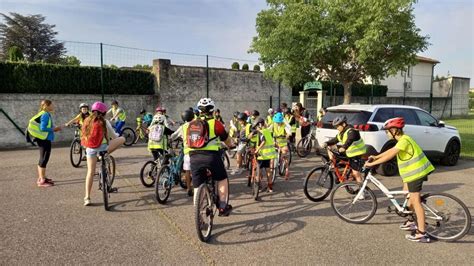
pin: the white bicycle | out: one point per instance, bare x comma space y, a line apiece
447, 218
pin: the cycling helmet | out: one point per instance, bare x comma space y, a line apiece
187, 115
83, 105
397, 122
255, 113
270, 111
236, 114
114, 102
339, 120
206, 105
143, 111
160, 119
257, 122
99, 107
242, 116
160, 109
247, 112
278, 118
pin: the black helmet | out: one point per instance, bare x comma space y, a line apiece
143, 111
115, 102
255, 113
236, 114
257, 122
187, 115
242, 116
339, 120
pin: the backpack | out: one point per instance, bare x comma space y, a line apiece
197, 135
96, 135
156, 133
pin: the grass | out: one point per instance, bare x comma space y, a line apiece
465, 125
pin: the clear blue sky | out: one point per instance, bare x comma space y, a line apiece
220, 27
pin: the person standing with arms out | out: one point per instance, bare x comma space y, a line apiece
118, 115
97, 135
414, 168
42, 129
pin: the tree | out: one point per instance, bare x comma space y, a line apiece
245, 67
35, 38
235, 66
15, 54
256, 68
70, 61
143, 67
339, 40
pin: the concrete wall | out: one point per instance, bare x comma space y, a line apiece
181, 87
21, 107
420, 77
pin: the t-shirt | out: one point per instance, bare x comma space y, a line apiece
406, 149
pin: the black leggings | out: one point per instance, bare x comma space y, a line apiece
45, 152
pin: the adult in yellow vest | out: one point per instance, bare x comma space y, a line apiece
209, 156
187, 117
118, 115
265, 151
414, 168
242, 134
281, 131
351, 143
42, 129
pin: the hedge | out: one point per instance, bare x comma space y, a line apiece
49, 78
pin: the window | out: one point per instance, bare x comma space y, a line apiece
383, 114
353, 117
408, 114
426, 119
409, 71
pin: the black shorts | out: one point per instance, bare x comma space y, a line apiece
206, 159
416, 186
263, 163
356, 163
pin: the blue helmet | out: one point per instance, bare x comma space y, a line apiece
278, 118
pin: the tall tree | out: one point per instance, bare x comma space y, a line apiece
35, 38
340, 40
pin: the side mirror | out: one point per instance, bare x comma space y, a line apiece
441, 124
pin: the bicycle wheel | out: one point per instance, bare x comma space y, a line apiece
275, 169
204, 210
148, 173
290, 155
303, 148
163, 184
139, 134
129, 136
225, 159
282, 165
360, 211
110, 163
104, 186
75, 153
318, 183
446, 217
255, 182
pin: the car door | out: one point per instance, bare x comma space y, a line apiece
412, 126
435, 138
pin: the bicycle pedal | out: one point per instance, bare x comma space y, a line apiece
389, 209
113, 190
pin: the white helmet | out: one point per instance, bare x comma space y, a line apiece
83, 105
206, 105
160, 119
270, 111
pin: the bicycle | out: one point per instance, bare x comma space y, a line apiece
76, 153
304, 145
129, 134
141, 131
206, 207
106, 177
440, 219
254, 175
225, 156
279, 165
149, 170
169, 175
320, 180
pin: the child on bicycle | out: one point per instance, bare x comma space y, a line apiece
281, 133
352, 145
83, 114
158, 134
118, 115
414, 168
147, 118
265, 150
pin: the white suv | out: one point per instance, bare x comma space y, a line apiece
438, 141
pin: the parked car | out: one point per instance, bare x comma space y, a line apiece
438, 141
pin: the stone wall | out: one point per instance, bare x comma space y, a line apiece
21, 107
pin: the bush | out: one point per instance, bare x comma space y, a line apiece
48, 78
245, 67
256, 68
235, 66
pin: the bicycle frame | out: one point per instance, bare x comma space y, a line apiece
334, 164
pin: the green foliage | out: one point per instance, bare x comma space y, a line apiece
70, 61
235, 66
245, 67
344, 40
19, 30
143, 67
51, 78
256, 68
110, 66
15, 54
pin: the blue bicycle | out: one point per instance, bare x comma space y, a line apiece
169, 175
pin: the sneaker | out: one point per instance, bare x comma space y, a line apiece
46, 180
417, 236
225, 211
44, 184
270, 188
87, 201
408, 226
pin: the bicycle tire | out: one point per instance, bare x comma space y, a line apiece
110, 162
148, 174
348, 198
129, 135
204, 213
256, 183
225, 159
282, 165
104, 187
274, 169
76, 149
163, 184
435, 228
290, 156
323, 181
303, 147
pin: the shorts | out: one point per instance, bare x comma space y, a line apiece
201, 160
263, 163
93, 152
415, 186
241, 147
356, 163
187, 163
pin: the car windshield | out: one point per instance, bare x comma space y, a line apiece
354, 117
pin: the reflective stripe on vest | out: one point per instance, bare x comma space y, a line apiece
267, 152
254, 139
215, 143
162, 144
184, 133
357, 147
288, 119
279, 133
34, 127
417, 167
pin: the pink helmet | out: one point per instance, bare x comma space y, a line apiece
99, 107
160, 109
247, 112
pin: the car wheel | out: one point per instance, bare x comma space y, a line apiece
389, 168
451, 153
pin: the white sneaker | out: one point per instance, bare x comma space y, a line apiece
87, 201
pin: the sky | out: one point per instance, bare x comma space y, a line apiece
219, 28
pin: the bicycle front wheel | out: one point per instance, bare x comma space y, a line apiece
110, 163
318, 184
303, 148
129, 136
225, 159
447, 218
75, 154
256, 182
163, 184
204, 211
148, 174
104, 187
350, 210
